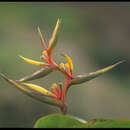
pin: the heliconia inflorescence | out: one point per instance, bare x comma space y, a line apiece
57, 93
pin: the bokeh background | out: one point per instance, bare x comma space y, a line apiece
95, 35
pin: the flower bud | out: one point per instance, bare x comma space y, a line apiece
62, 66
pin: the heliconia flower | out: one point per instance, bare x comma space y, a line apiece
57, 94
67, 68
34, 62
57, 90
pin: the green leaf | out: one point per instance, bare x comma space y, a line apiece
83, 78
58, 121
67, 121
101, 123
36, 75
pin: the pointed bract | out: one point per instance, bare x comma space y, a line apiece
33, 92
41, 38
39, 89
34, 62
36, 75
54, 38
84, 78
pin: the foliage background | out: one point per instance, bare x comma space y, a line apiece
94, 34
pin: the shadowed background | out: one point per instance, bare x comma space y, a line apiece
95, 35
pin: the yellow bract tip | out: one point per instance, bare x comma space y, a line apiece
40, 34
62, 65
54, 86
33, 62
44, 53
54, 37
69, 62
38, 89
67, 66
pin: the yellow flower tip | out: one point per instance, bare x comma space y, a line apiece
38, 89
41, 37
54, 86
39, 31
62, 65
33, 62
69, 61
54, 38
44, 53
58, 21
67, 67
21, 56
57, 26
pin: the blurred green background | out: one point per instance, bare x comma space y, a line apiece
95, 35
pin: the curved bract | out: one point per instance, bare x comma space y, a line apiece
34, 91
86, 77
36, 75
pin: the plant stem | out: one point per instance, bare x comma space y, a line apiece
65, 88
64, 109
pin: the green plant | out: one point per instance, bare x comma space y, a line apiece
57, 94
